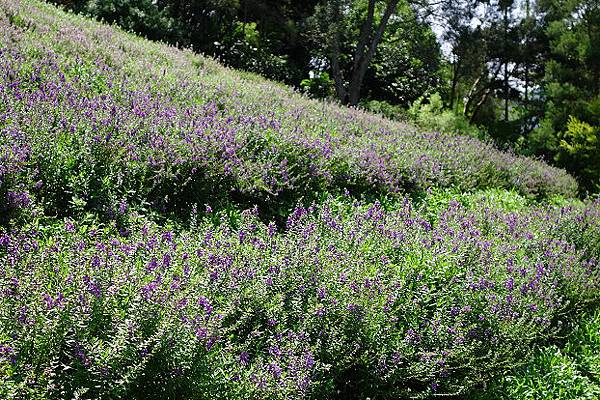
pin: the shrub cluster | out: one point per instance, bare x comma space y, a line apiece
351, 301
342, 299
569, 371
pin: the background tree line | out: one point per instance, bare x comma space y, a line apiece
524, 73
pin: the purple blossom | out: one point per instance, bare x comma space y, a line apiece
205, 303
92, 286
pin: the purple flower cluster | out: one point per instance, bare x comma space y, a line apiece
91, 115
390, 301
405, 296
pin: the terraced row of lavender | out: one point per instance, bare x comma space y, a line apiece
351, 301
91, 117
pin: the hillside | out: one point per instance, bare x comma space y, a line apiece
170, 228
100, 116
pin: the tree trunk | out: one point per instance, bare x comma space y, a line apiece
338, 79
361, 65
527, 15
364, 53
479, 104
455, 76
365, 33
472, 92
506, 91
526, 85
486, 92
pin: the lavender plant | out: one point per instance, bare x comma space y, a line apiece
342, 299
351, 301
92, 116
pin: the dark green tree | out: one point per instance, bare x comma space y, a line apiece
353, 35
572, 86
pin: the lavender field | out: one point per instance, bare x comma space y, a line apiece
173, 229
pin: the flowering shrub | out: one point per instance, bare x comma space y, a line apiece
92, 116
350, 301
343, 299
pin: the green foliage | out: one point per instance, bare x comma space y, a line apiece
319, 85
567, 372
580, 149
397, 65
244, 48
542, 140
431, 114
141, 16
386, 109
503, 199
407, 63
571, 88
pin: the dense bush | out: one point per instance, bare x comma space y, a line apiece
318, 85
352, 301
432, 115
570, 371
579, 147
